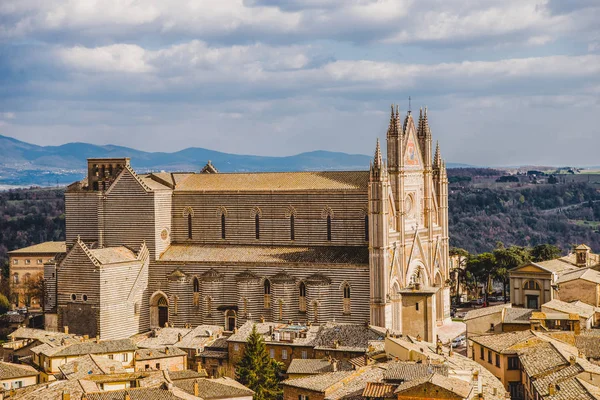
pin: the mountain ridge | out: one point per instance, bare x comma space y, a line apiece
62, 162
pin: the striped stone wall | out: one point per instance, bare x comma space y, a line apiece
347, 209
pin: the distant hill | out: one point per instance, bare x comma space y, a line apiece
23, 163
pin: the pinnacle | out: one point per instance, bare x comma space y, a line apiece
377, 161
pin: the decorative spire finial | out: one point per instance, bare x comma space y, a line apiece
437, 158
409, 105
378, 161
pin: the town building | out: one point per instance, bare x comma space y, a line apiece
167, 358
27, 265
16, 376
222, 248
534, 284
214, 389
23, 340
287, 342
48, 358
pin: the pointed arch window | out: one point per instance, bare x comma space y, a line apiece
196, 288
208, 304
280, 307
257, 226
189, 226
346, 306
223, 226
329, 228
302, 297
292, 227
366, 227
267, 293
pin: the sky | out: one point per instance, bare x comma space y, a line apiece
506, 82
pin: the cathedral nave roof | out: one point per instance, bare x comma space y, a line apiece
266, 254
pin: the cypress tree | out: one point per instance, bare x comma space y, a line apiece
256, 370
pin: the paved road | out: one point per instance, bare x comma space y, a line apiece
559, 210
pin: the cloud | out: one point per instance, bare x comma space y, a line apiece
278, 77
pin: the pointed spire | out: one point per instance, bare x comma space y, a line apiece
378, 160
392, 129
398, 123
437, 158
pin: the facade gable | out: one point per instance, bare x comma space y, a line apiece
530, 268
412, 151
428, 390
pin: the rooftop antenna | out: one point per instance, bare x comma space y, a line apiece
409, 106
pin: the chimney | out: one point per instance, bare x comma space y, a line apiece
572, 360
418, 338
127, 397
196, 389
551, 389
262, 319
179, 337
97, 338
66, 328
166, 351
271, 329
75, 367
112, 369
66, 396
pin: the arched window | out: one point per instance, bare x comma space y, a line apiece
196, 288
189, 222
208, 304
26, 277
16, 278
329, 228
302, 297
267, 293
531, 285
222, 226
257, 226
346, 306
292, 227
366, 228
280, 307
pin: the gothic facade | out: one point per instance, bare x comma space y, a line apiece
223, 248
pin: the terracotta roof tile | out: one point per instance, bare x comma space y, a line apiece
457, 386
214, 388
42, 248
502, 342
276, 181
266, 254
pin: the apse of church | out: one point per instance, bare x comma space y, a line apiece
309, 247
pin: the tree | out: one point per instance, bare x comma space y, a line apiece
508, 258
35, 288
4, 304
544, 252
482, 267
257, 370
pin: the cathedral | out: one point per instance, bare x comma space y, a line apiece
192, 248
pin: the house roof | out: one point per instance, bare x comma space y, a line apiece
588, 345
457, 386
42, 248
587, 274
113, 255
276, 181
484, 311
90, 364
406, 371
517, 316
218, 388
90, 347
541, 358
152, 393
266, 254
186, 374
315, 366
10, 370
502, 342
577, 307
318, 383
152, 354
379, 390
52, 338
190, 338
556, 266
